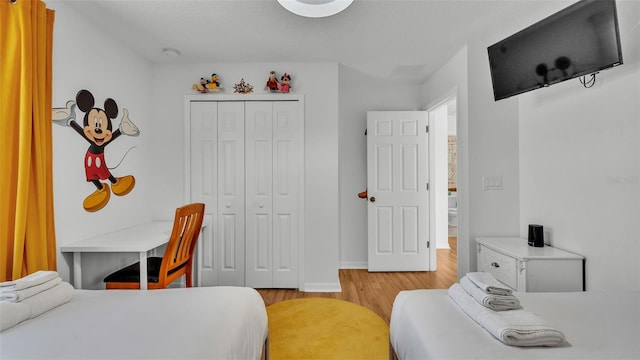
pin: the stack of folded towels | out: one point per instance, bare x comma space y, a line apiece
494, 307
31, 296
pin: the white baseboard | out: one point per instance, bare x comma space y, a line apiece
322, 287
354, 265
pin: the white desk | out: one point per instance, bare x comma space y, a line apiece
138, 239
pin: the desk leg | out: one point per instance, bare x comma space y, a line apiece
77, 270
143, 270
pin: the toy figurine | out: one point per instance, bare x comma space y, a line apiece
214, 84
201, 87
272, 83
206, 86
285, 87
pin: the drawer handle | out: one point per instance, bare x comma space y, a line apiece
495, 264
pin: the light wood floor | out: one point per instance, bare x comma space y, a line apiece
377, 291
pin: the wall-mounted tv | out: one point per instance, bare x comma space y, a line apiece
579, 40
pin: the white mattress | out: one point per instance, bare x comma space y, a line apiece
191, 323
427, 324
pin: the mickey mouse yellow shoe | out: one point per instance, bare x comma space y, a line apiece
98, 199
123, 185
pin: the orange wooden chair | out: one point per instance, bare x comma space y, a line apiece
177, 259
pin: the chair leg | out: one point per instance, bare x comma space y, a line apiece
189, 276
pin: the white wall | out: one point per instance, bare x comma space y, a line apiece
85, 58
493, 151
495, 138
584, 139
488, 145
319, 83
579, 165
450, 80
360, 92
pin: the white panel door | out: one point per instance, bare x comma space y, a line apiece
397, 184
204, 184
272, 194
231, 211
259, 194
287, 171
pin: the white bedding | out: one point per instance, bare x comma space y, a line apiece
187, 323
427, 324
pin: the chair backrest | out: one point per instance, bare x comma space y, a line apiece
178, 256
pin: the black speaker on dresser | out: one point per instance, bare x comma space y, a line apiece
536, 235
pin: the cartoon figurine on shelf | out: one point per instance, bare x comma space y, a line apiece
242, 87
97, 130
201, 87
285, 87
214, 84
272, 83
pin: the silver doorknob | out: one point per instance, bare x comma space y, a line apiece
372, 199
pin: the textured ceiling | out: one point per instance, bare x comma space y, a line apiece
394, 38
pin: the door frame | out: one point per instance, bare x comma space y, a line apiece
445, 98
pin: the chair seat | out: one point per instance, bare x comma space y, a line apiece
131, 273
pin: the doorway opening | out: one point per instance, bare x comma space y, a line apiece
444, 170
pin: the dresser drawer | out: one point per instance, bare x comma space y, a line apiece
502, 267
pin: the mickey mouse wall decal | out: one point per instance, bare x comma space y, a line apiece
97, 130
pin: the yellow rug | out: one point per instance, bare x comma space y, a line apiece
320, 328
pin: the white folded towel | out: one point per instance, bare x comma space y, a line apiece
12, 314
512, 327
488, 283
37, 278
493, 302
49, 299
19, 295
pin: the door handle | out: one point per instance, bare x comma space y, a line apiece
372, 199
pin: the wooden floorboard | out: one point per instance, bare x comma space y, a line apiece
377, 290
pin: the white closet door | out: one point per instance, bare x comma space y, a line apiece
204, 184
231, 200
259, 192
272, 194
287, 149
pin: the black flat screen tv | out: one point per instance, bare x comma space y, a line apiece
579, 40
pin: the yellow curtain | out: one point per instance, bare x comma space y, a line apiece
27, 233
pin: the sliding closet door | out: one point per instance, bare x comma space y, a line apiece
246, 166
231, 200
272, 194
204, 185
217, 180
259, 192
287, 148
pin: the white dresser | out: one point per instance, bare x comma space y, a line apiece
530, 269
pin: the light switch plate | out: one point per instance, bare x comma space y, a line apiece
493, 182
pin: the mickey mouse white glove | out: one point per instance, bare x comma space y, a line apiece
127, 127
64, 116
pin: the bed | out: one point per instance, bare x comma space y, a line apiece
428, 324
186, 323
